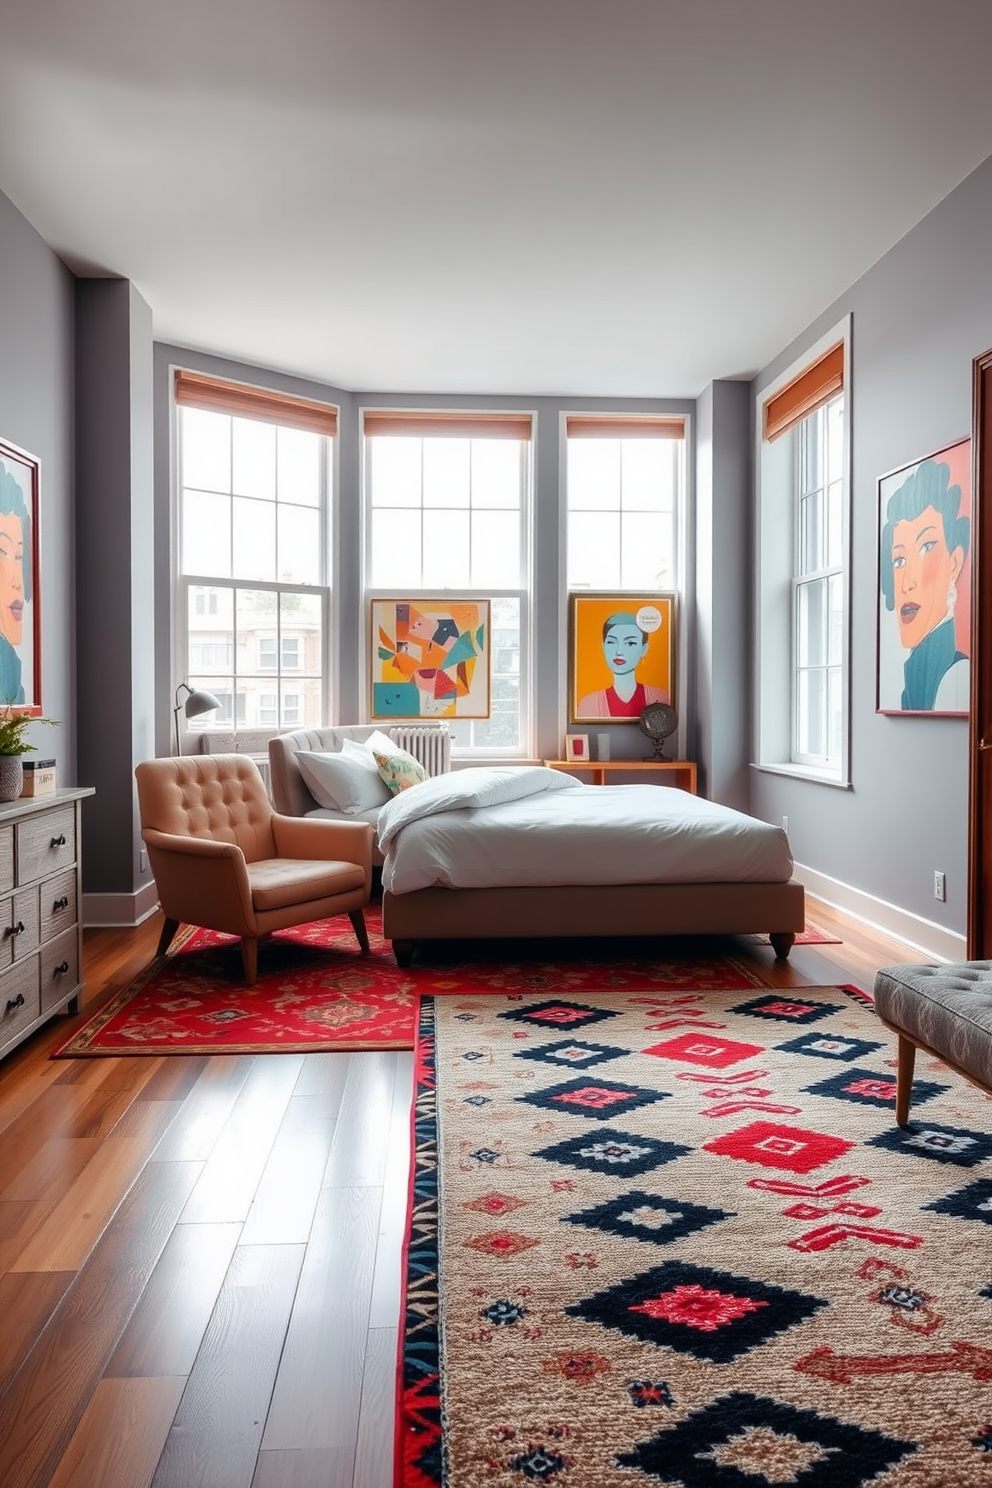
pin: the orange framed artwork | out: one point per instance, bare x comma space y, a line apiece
621, 655
430, 658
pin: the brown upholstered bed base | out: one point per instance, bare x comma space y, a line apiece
777, 909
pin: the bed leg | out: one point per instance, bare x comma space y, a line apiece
403, 951
782, 943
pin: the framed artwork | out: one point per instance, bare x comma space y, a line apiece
924, 585
20, 618
430, 658
621, 655
577, 747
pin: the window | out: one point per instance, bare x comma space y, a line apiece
253, 475
803, 506
624, 481
447, 499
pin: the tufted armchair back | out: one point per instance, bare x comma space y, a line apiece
220, 796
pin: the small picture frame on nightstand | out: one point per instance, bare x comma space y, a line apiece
577, 748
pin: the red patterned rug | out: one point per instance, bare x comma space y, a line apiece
315, 991
687, 1238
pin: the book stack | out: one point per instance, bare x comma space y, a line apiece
39, 777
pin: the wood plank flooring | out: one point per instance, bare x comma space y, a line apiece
200, 1257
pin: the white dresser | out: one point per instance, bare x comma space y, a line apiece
40, 930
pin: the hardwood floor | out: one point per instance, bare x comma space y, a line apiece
200, 1257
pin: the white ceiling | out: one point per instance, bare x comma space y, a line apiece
536, 196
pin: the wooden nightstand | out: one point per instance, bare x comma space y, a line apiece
684, 771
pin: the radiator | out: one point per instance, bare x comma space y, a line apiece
428, 743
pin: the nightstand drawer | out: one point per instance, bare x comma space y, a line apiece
45, 844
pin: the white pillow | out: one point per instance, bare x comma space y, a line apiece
343, 782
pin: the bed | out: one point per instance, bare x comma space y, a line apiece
527, 851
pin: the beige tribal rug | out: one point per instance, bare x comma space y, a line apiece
678, 1238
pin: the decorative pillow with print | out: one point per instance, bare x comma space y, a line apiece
398, 769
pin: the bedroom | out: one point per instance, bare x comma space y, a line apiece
920, 308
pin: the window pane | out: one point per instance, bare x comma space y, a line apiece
254, 539
211, 639
396, 553
835, 531
812, 708
593, 474
835, 604
645, 550
811, 637
206, 450
299, 545
593, 550
221, 688
206, 534
446, 550
496, 472
834, 416
446, 472
646, 468
301, 618
254, 459
395, 471
835, 711
298, 466
495, 548
257, 633
810, 557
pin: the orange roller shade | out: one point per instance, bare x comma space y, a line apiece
379, 422
601, 426
813, 387
195, 391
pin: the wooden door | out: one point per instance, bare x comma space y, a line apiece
980, 726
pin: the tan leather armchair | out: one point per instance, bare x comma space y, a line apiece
223, 859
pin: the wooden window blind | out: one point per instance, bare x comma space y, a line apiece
813, 387
453, 424
601, 426
196, 391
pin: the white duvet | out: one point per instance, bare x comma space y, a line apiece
514, 827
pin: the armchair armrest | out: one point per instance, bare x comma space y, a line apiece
193, 872
316, 837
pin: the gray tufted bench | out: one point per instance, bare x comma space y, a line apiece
944, 1010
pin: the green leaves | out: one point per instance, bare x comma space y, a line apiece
13, 726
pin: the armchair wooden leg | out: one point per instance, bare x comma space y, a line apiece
904, 1079
165, 939
357, 918
249, 958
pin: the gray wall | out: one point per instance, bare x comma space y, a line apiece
920, 316
36, 413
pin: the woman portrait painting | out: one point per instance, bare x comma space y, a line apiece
924, 582
621, 655
18, 496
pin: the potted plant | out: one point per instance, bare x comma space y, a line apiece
13, 744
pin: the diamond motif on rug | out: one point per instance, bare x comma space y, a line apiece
559, 1014
776, 1146
972, 1202
786, 1009
742, 1438
944, 1144
706, 1049
696, 1310
613, 1151
645, 1216
596, 1099
867, 1087
824, 1047
572, 1053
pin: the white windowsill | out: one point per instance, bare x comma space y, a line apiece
804, 772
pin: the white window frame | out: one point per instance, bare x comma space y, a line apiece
524, 595
776, 710
183, 583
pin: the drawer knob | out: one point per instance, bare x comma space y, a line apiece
15, 1002
59, 841
62, 903
61, 969
17, 929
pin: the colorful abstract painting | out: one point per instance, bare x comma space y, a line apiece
430, 658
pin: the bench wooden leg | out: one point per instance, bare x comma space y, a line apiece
904, 1079
782, 943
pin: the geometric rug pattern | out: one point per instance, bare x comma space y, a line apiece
707, 1256
315, 991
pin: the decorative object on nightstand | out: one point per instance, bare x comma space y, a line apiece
577, 747
658, 721
12, 745
197, 702
39, 778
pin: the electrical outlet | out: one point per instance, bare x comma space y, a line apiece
142, 861
939, 886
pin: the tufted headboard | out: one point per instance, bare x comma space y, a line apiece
429, 743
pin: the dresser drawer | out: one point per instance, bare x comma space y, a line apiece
19, 926
19, 1001
58, 904
59, 969
44, 844
6, 859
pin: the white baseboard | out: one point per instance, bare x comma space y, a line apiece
108, 910
934, 942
